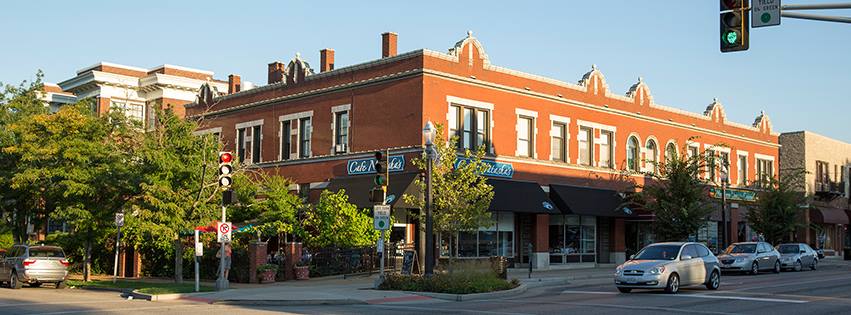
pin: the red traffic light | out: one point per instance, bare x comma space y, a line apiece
225, 157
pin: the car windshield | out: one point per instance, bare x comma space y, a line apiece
658, 252
46, 252
741, 249
788, 249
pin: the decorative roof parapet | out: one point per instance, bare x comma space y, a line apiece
715, 111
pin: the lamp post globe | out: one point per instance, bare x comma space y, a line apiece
428, 133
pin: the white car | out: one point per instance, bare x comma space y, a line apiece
669, 266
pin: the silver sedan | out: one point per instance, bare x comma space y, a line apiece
796, 256
669, 266
750, 257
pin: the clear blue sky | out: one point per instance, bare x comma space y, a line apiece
798, 72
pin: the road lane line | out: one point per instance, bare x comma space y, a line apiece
627, 307
588, 292
66, 302
436, 309
134, 309
704, 296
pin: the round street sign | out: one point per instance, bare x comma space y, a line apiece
765, 17
225, 228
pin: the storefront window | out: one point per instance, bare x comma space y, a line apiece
467, 244
487, 243
572, 235
496, 240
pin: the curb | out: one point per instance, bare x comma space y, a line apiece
473, 296
289, 302
119, 290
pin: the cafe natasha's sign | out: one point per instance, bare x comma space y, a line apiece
396, 163
733, 194
496, 169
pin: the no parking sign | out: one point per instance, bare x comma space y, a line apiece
223, 232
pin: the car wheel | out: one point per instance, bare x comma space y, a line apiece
673, 284
755, 268
814, 265
798, 266
776, 267
61, 285
714, 281
13, 281
625, 290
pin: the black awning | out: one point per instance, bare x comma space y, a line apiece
520, 197
358, 187
589, 201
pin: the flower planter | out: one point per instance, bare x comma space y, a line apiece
302, 272
268, 276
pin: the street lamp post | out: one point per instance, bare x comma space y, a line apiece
428, 136
725, 178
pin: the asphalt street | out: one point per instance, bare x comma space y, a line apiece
825, 291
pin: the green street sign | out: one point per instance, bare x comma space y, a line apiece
765, 13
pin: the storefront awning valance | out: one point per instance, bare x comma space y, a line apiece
589, 201
357, 187
520, 197
828, 215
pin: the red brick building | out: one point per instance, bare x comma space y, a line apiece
561, 151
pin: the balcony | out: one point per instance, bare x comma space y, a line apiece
829, 189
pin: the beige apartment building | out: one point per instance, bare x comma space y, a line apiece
827, 163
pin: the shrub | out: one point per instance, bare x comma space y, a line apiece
267, 267
454, 283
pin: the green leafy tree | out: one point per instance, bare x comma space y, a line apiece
778, 213
335, 221
17, 204
460, 193
178, 187
279, 208
677, 196
78, 164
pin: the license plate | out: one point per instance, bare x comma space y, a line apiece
630, 280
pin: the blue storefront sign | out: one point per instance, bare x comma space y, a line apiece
396, 163
495, 169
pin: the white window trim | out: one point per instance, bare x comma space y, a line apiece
334, 111
566, 121
647, 167
298, 137
246, 125
676, 148
739, 154
293, 131
591, 139
594, 125
249, 124
298, 115
641, 150
532, 137
207, 131
764, 157
457, 101
612, 149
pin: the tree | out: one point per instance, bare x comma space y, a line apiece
176, 193
78, 164
335, 221
777, 214
460, 193
17, 205
279, 208
677, 196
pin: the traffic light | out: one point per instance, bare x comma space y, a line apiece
735, 25
380, 169
225, 169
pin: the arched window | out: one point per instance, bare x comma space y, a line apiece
632, 154
652, 154
670, 151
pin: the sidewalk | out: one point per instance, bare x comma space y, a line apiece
560, 276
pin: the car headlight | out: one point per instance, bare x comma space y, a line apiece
657, 270
739, 259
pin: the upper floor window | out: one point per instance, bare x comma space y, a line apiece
286, 139
470, 125
559, 149
248, 143
585, 145
651, 155
135, 111
341, 132
693, 151
724, 159
670, 151
606, 152
743, 170
304, 133
822, 172
525, 132
711, 165
764, 171
632, 153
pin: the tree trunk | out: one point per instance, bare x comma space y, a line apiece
178, 261
87, 258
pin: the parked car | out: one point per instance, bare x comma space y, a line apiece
796, 256
34, 265
750, 257
669, 266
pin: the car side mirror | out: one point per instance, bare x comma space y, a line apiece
685, 257
803, 252
631, 257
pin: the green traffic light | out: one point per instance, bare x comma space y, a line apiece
380, 180
731, 37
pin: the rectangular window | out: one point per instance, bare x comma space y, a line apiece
585, 145
341, 132
240, 144
692, 151
525, 143
606, 149
495, 240
255, 144
724, 158
286, 139
470, 125
764, 171
558, 148
304, 131
304, 192
248, 141
743, 170
710, 165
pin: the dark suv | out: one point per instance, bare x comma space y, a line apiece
34, 265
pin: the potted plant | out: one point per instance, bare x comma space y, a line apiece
302, 267
266, 273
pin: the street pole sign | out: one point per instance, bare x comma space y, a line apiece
223, 232
765, 13
381, 219
119, 219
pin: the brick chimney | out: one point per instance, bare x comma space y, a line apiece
234, 83
388, 44
326, 58
276, 72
